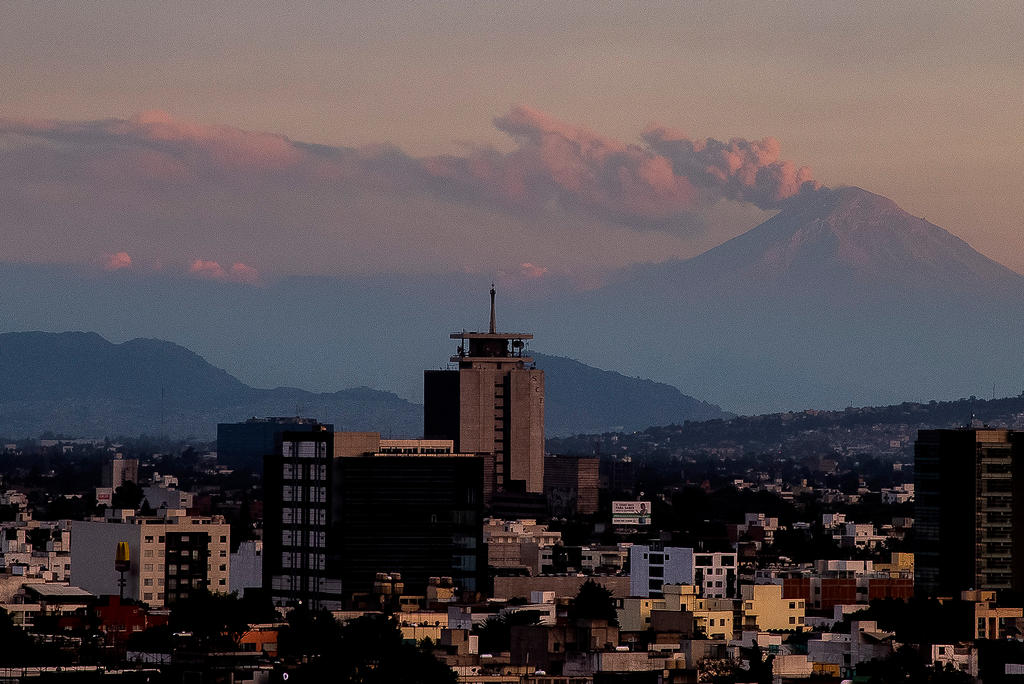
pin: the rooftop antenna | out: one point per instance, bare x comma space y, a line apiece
492, 309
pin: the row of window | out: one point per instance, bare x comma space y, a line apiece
297, 471
314, 494
293, 560
314, 538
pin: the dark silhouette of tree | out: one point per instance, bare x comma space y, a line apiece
594, 602
215, 621
128, 495
496, 632
367, 650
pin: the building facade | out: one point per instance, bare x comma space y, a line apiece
341, 508
571, 484
248, 442
171, 555
652, 567
491, 405
969, 511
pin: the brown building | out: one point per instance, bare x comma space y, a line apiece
491, 405
570, 484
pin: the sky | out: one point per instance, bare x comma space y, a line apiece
249, 141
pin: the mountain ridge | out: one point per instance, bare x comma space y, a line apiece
81, 382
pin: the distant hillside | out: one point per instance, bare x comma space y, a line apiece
79, 383
581, 398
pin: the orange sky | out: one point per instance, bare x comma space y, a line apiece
920, 102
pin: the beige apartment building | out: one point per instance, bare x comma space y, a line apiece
171, 555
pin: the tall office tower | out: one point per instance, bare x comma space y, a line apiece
119, 470
297, 522
246, 443
969, 510
492, 405
408, 506
342, 507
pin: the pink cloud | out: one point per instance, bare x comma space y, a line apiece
531, 271
238, 273
208, 269
242, 273
115, 262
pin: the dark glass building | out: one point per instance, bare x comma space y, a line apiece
342, 507
246, 443
969, 511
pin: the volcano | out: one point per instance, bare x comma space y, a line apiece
840, 299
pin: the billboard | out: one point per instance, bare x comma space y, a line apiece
631, 512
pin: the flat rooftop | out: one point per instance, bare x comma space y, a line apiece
490, 336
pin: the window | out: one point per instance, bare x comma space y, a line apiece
148, 596
223, 553
792, 604
148, 567
223, 568
161, 539
148, 582
149, 538
223, 539
703, 561
222, 583
148, 553
792, 620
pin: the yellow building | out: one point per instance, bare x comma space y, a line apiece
764, 609
635, 612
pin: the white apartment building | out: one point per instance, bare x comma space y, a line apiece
652, 567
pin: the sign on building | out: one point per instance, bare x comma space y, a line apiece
631, 512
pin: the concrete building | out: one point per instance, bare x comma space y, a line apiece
969, 503
515, 545
862, 643
247, 566
571, 484
171, 554
492, 406
637, 614
764, 608
342, 507
652, 567
119, 470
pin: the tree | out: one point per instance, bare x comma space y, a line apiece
128, 495
496, 632
216, 621
370, 650
594, 602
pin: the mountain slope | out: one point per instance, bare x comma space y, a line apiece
79, 383
579, 396
840, 299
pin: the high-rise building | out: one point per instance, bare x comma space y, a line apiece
246, 443
969, 503
571, 484
342, 507
491, 405
119, 470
